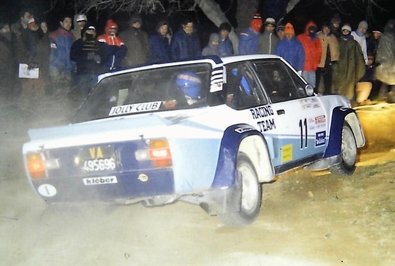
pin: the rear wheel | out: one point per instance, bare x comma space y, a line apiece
250, 193
348, 153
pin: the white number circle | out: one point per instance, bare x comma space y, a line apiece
47, 190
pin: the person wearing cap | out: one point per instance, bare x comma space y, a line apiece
312, 52
268, 39
212, 46
159, 44
249, 38
360, 36
225, 47
350, 67
113, 47
291, 49
80, 21
88, 55
329, 57
185, 43
60, 64
136, 40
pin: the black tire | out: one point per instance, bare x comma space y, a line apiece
348, 153
250, 193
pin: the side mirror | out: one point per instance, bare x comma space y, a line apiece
309, 90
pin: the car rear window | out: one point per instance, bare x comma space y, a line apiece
152, 90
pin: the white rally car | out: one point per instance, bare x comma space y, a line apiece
207, 131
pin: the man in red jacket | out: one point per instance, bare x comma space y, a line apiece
312, 50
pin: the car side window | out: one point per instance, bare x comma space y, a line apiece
277, 81
243, 90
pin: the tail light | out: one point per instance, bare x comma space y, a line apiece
159, 153
36, 166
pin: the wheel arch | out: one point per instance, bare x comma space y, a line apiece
339, 116
246, 139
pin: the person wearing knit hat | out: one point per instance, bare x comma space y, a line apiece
136, 40
360, 36
268, 39
350, 67
112, 45
312, 52
291, 49
249, 38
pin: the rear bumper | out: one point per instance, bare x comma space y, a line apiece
107, 188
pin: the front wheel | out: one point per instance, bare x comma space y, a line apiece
348, 153
250, 193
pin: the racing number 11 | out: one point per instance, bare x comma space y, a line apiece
303, 133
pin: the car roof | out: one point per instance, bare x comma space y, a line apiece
238, 58
210, 59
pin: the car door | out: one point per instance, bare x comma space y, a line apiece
299, 130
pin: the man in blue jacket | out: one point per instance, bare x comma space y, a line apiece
185, 43
60, 64
248, 40
291, 49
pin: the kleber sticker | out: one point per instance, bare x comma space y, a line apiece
135, 108
102, 180
286, 153
320, 138
47, 190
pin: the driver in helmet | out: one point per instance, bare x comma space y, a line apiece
190, 85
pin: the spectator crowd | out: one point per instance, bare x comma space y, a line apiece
332, 57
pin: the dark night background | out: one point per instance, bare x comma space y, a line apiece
305, 10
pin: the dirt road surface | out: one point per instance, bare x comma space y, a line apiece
306, 218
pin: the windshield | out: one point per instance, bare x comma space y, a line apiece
166, 88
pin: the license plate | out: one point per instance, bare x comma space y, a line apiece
98, 165
98, 158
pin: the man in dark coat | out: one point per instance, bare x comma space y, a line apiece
87, 54
136, 40
185, 43
159, 44
7, 66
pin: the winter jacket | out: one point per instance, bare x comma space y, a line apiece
292, 51
87, 55
248, 42
136, 41
328, 41
312, 48
225, 47
385, 57
350, 67
61, 41
185, 46
113, 49
159, 49
267, 43
361, 40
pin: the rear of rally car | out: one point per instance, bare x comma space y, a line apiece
108, 171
